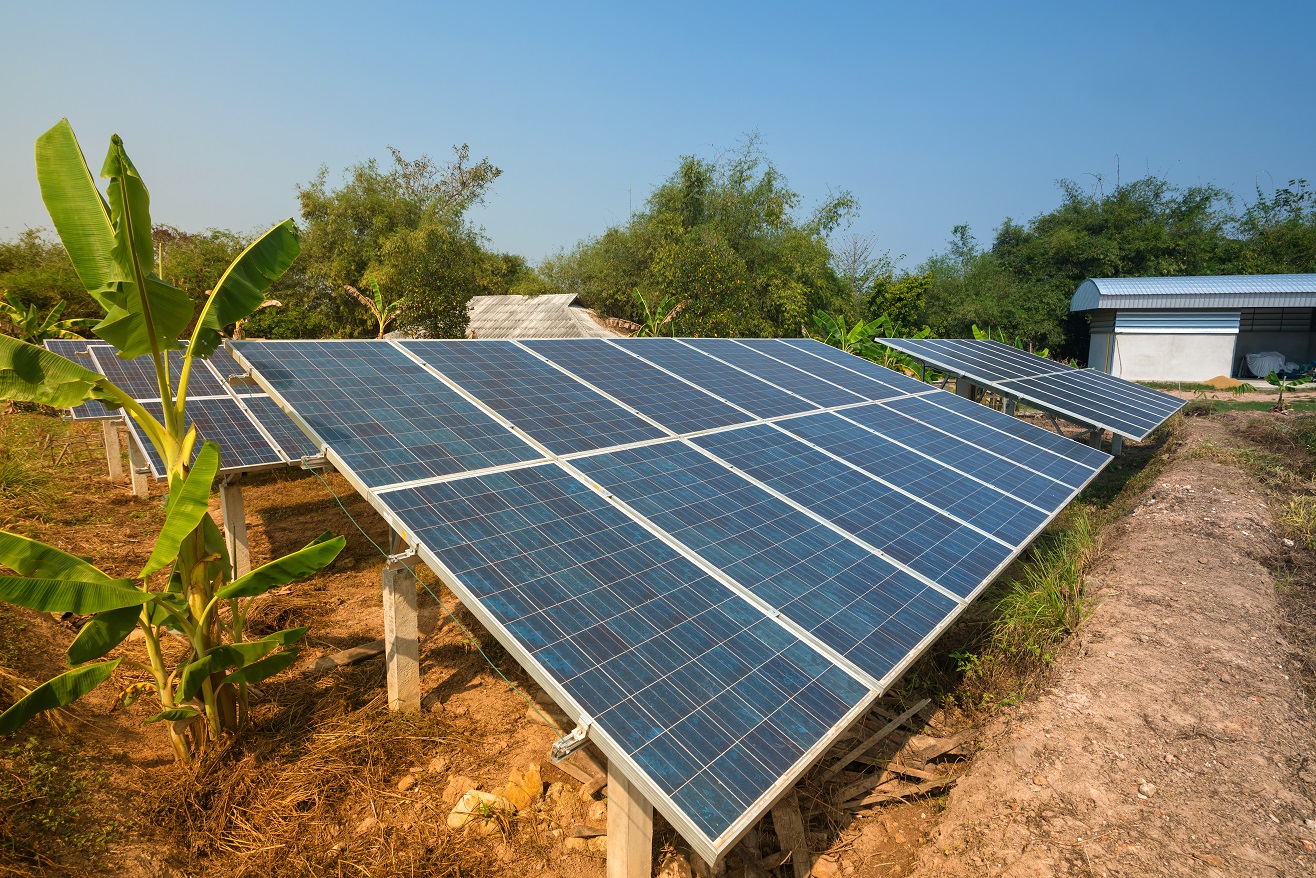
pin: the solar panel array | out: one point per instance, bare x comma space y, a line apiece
1085, 396
253, 433
716, 553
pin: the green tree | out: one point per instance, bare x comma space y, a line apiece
726, 237
37, 270
404, 225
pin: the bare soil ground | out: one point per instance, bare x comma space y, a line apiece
1175, 739
1189, 677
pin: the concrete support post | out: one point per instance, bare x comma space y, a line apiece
234, 514
401, 638
964, 387
1116, 444
113, 453
1095, 439
1009, 407
141, 470
630, 828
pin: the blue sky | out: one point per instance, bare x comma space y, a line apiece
932, 114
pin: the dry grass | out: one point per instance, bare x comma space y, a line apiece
289, 796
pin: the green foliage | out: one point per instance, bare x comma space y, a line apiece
109, 244
726, 238
901, 300
29, 325
657, 317
39, 272
1285, 384
383, 312
1022, 285
405, 226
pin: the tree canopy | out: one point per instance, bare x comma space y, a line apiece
726, 238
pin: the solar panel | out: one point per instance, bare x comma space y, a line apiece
670, 664
867, 609
389, 419
287, 435
1085, 396
222, 420
676, 404
551, 407
75, 349
137, 377
742, 390
720, 597
821, 392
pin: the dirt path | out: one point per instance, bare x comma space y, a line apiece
1175, 740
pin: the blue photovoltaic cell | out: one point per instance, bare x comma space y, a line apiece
224, 365
749, 393
1086, 396
818, 350
859, 605
291, 439
1071, 462
984, 507
561, 413
820, 392
985, 358
241, 445
869, 386
75, 349
136, 377
713, 700
945, 551
963, 444
653, 393
387, 417
1094, 400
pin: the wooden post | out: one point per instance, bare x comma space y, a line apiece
630, 828
141, 471
1009, 407
234, 514
113, 453
401, 638
788, 823
1116, 444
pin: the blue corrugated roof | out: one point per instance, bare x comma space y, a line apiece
1220, 291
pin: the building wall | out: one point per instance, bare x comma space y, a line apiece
1169, 357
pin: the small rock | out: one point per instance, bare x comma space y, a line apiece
1310, 824
476, 804
1040, 781
1146, 790
825, 867
367, 825
555, 791
676, 867
1171, 758
577, 845
598, 844
438, 765
597, 815
457, 786
1307, 845
408, 781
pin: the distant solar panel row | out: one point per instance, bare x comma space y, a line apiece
252, 431
1085, 396
717, 550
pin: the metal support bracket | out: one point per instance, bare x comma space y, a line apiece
319, 461
565, 746
401, 558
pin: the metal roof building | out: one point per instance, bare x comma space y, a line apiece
557, 315
1195, 328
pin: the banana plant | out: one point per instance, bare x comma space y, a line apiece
186, 588
862, 339
657, 317
32, 327
1285, 384
384, 314
986, 335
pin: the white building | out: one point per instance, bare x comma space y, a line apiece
1195, 328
